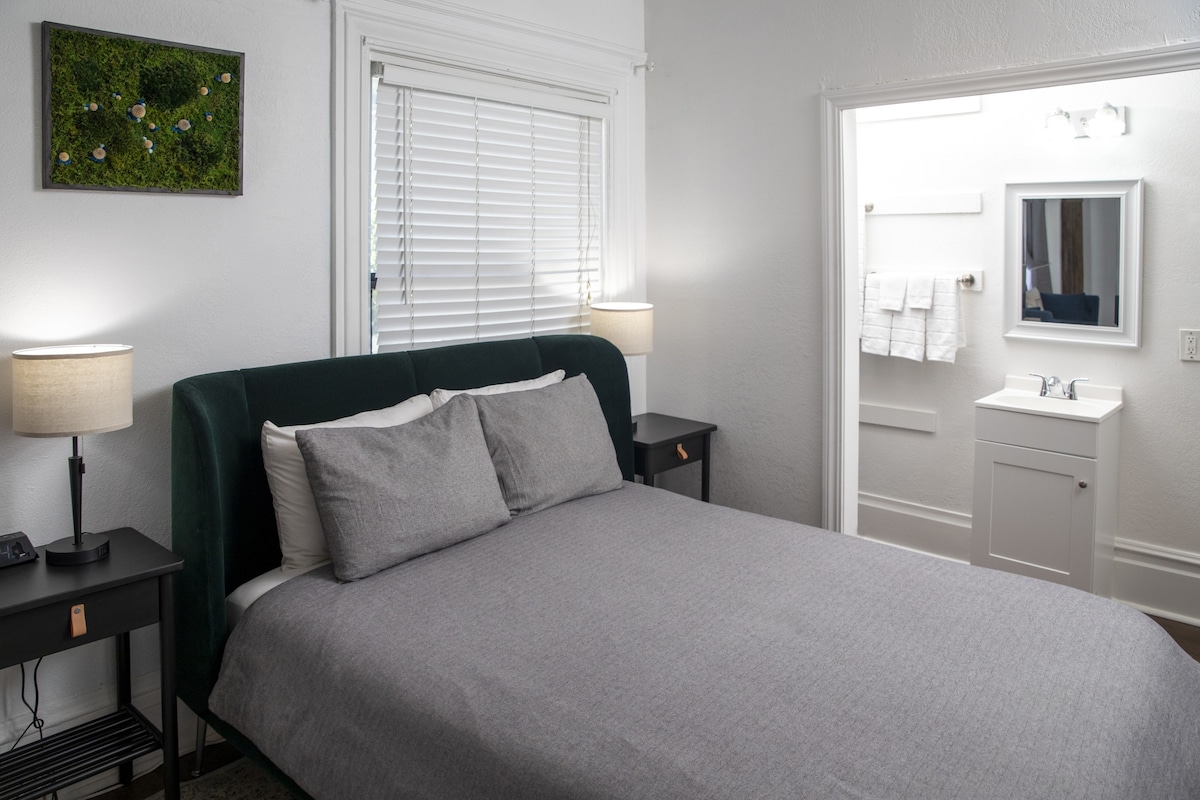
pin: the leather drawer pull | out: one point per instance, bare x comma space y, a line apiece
78, 621
681, 452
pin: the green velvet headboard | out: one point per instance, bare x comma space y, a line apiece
223, 523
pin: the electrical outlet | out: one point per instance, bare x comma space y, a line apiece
1189, 344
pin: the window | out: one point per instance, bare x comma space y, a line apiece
486, 216
578, 105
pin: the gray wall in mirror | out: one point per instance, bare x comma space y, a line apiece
1072, 260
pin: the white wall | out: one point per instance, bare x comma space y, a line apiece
734, 195
1006, 143
195, 284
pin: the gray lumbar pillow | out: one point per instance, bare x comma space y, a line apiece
386, 495
549, 445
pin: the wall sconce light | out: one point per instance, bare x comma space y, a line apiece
1106, 121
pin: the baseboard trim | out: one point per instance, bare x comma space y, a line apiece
926, 529
1157, 580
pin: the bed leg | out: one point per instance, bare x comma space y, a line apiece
201, 734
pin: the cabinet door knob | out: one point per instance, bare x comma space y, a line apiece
1083, 484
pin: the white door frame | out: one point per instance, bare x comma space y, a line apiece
839, 507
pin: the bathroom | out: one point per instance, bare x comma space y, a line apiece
956, 157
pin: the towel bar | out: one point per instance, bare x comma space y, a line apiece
969, 281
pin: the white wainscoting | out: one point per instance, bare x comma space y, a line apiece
936, 531
1158, 580
912, 419
969, 203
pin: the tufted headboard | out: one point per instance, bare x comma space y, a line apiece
222, 519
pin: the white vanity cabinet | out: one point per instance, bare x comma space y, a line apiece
1045, 502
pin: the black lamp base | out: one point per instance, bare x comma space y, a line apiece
65, 553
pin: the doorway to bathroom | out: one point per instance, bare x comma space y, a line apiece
934, 157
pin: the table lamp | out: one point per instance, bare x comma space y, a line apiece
73, 390
630, 326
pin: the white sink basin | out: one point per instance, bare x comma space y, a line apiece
1021, 394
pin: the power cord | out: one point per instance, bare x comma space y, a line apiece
37, 722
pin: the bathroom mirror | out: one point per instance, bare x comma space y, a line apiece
1073, 262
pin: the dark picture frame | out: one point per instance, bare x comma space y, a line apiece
126, 113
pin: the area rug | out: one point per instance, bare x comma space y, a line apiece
241, 780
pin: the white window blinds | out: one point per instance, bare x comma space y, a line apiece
486, 218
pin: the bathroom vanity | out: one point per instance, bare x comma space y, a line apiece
1045, 502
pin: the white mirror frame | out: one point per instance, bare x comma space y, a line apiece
1128, 332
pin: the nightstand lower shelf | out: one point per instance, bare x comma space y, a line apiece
39, 768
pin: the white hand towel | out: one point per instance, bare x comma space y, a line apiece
876, 324
908, 334
944, 332
962, 321
920, 291
891, 291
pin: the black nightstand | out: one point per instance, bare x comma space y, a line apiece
661, 443
130, 589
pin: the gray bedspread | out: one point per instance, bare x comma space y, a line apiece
639, 644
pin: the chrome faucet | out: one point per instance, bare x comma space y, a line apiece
1053, 387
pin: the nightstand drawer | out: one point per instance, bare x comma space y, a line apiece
667, 456
47, 629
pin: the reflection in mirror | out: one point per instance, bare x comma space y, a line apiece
1074, 261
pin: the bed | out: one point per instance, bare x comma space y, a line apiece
628, 642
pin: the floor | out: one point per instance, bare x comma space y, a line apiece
218, 755
1186, 636
215, 756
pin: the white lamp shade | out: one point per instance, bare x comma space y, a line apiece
630, 326
72, 390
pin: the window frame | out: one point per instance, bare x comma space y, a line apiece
486, 48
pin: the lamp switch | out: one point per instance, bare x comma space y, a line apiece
1189, 344
78, 621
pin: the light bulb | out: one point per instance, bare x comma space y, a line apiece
1106, 122
1059, 125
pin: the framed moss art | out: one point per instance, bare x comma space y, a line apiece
122, 113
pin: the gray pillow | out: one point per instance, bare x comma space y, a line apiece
386, 495
549, 445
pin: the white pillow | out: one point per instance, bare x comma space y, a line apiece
301, 537
440, 396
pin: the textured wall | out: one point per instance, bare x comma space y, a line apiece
734, 195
